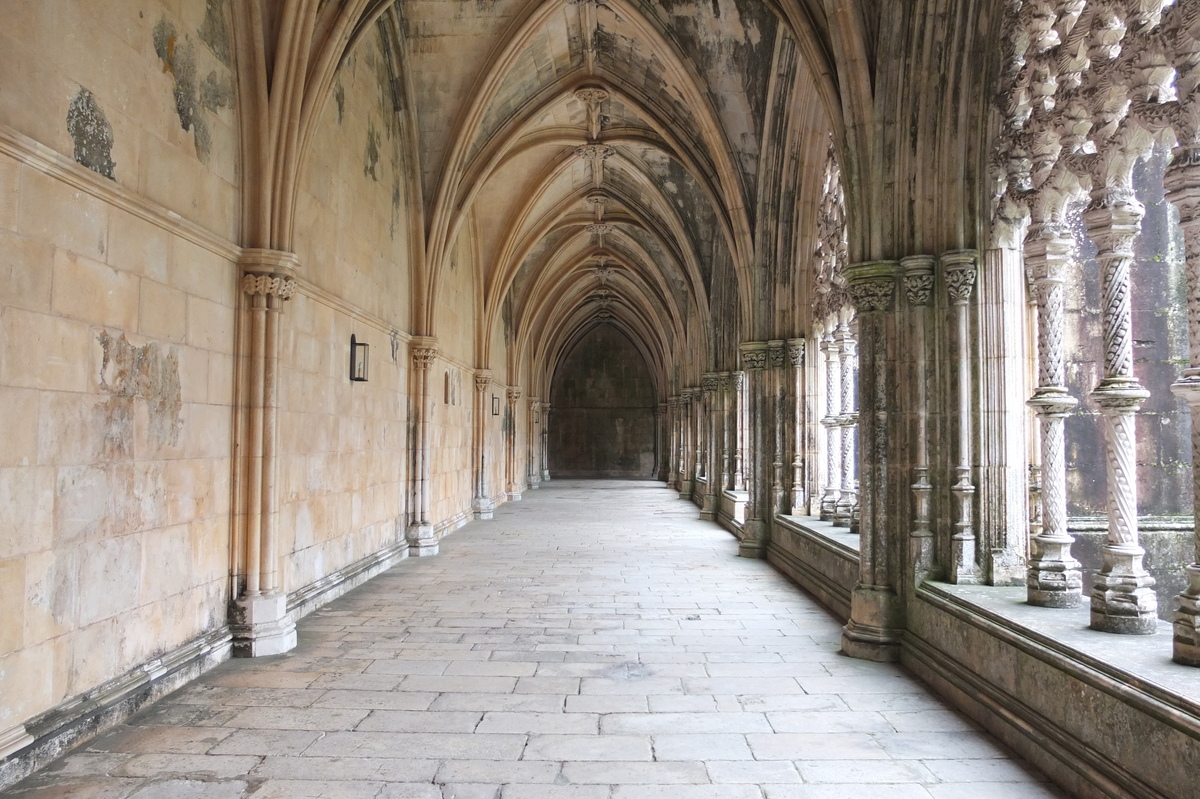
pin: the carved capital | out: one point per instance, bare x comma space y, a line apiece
777, 353
725, 381
918, 278
278, 286
483, 379
753, 355
960, 272
514, 394
795, 352
872, 285
709, 382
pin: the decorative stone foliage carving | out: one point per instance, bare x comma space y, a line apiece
1085, 87
423, 357
831, 250
795, 353
754, 355
283, 288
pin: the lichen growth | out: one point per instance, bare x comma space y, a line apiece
91, 133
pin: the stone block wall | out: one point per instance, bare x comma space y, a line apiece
118, 290
116, 367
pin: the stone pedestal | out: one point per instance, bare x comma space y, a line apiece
261, 626
421, 540
873, 632
483, 508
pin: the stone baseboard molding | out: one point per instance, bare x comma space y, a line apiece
86, 716
305, 600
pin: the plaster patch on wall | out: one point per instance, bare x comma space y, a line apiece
147, 373
178, 58
91, 133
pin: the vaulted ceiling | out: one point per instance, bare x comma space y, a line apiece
603, 155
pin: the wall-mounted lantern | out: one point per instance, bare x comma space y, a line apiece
358, 360
495, 405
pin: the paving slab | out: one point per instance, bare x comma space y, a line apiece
594, 641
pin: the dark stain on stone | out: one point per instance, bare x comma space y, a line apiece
339, 97
129, 374
91, 133
215, 33
371, 159
215, 93
178, 58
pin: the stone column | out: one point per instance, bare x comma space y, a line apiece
751, 449
738, 422
795, 358
959, 271
848, 422
710, 385
1054, 578
513, 488
673, 442
534, 464
776, 362
918, 287
1123, 599
876, 613
258, 618
726, 384
482, 504
421, 539
685, 444
660, 434
833, 440
545, 448
1183, 191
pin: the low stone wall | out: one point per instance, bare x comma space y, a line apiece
821, 559
1102, 715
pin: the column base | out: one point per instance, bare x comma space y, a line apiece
872, 632
422, 543
964, 570
920, 553
261, 627
685, 489
753, 543
483, 508
708, 508
535, 481
1187, 621
545, 475
1053, 579
1123, 599
513, 496
14, 739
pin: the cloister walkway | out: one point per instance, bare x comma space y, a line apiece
594, 641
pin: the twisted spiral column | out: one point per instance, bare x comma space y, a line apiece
833, 443
1123, 599
847, 493
1053, 578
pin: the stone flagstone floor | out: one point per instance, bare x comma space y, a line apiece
594, 641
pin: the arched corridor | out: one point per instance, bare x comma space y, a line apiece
593, 642
903, 295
